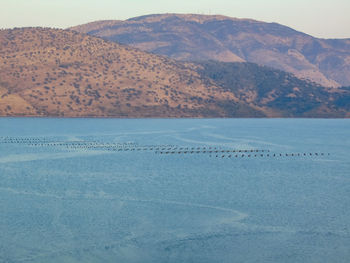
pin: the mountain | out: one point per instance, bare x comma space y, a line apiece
53, 72
278, 92
202, 37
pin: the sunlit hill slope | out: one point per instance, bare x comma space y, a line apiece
52, 72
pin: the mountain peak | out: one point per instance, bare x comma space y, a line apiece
199, 18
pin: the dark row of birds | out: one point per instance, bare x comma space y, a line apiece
95, 145
194, 150
158, 149
244, 154
23, 140
164, 149
41, 141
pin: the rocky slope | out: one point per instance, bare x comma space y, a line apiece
200, 37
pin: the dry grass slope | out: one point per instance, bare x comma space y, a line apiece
52, 72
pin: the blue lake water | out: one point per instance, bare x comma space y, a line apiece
203, 190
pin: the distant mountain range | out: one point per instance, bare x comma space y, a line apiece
201, 37
52, 72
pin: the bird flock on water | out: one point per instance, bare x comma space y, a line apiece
158, 149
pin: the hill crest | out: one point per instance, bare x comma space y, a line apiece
62, 73
203, 37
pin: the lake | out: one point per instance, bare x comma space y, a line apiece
174, 190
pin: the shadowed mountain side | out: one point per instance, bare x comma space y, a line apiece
52, 72
279, 91
202, 37
342, 99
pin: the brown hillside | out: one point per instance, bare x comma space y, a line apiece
201, 37
52, 72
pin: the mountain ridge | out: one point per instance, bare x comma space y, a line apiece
63, 73
204, 37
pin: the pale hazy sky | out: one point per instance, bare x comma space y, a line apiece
320, 18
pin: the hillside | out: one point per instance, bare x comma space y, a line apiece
201, 37
52, 72
267, 88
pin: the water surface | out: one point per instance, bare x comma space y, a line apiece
67, 194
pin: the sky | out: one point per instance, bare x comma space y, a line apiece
319, 18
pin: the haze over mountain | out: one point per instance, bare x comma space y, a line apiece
202, 37
53, 72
